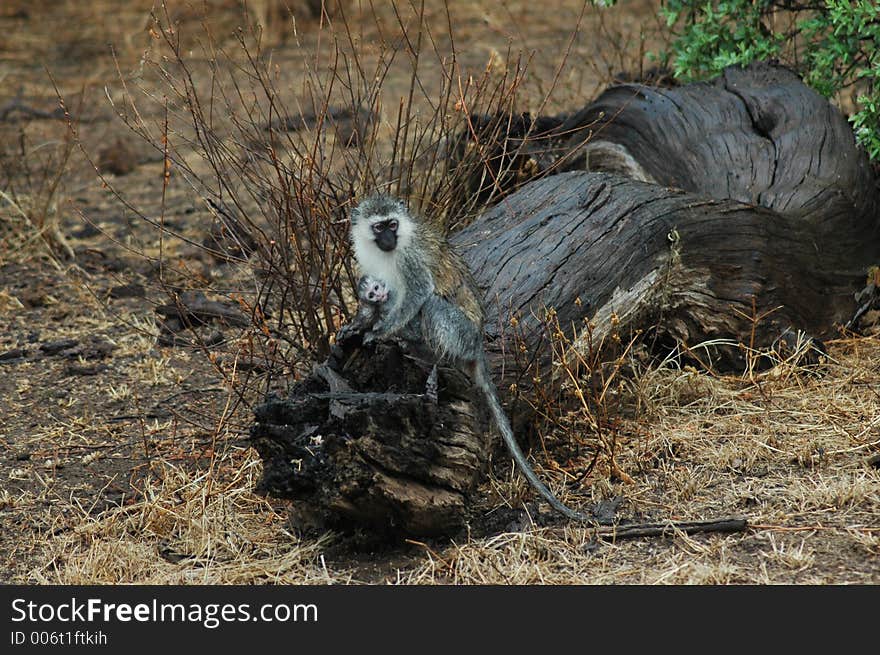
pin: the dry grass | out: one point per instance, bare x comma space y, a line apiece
787, 451
203, 527
138, 471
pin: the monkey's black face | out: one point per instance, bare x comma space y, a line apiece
385, 234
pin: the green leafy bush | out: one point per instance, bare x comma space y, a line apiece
833, 44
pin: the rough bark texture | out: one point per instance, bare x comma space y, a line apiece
360, 444
742, 198
685, 266
757, 135
747, 189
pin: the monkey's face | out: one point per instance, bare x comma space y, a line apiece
372, 291
381, 230
385, 233
376, 293
383, 221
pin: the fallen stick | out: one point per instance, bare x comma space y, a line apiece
671, 527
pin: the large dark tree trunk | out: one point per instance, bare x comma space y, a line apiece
734, 211
780, 219
756, 135
689, 268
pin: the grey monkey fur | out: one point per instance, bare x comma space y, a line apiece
430, 292
372, 297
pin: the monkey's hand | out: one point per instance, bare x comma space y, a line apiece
347, 331
377, 333
359, 325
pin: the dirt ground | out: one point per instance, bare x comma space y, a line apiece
127, 460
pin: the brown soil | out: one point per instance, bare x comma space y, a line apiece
122, 460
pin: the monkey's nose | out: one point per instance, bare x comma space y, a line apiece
386, 240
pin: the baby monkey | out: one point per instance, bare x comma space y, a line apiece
373, 292
415, 282
373, 295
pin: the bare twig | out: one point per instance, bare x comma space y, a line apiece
670, 528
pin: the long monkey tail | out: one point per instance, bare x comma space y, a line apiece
484, 382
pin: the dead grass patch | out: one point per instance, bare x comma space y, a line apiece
729, 450
188, 527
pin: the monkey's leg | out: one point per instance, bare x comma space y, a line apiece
448, 333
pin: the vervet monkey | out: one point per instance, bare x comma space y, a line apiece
430, 291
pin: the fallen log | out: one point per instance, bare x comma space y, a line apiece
780, 219
690, 269
757, 134
747, 213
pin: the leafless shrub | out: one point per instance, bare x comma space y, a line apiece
583, 392
275, 170
32, 174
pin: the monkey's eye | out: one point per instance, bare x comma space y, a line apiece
392, 225
378, 228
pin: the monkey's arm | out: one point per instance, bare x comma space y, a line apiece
401, 315
373, 297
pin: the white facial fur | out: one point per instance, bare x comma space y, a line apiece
374, 261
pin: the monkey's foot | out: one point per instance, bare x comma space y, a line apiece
345, 332
431, 386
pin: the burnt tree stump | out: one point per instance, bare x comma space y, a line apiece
722, 213
360, 444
